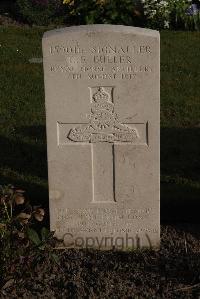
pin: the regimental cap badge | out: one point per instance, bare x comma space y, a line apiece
103, 125
102, 100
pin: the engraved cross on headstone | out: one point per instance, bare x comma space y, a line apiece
103, 131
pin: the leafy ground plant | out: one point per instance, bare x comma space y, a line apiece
22, 247
172, 14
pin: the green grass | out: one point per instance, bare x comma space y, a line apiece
180, 126
22, 119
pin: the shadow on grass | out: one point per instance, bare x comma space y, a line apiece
34, 132
180, 175
23, 162
180, 169
26, 152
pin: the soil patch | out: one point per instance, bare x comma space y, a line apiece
171, 272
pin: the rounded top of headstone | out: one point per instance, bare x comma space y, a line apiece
103, 28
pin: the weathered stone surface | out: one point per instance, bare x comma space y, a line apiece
102, 108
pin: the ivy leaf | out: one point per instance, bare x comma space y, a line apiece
45, 233
33, 236
55, 258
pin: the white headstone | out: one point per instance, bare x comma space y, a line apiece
102, 110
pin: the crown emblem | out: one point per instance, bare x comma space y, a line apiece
102, 100
101, 96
